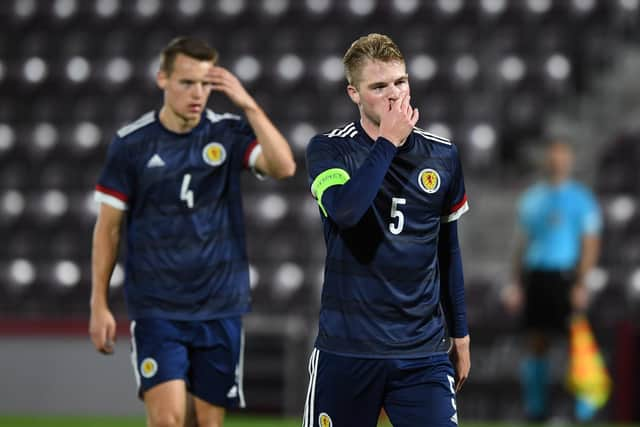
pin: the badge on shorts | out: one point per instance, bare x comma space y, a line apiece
325, 420
214, 154
148, 367
429, 180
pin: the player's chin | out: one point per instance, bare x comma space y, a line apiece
192, 113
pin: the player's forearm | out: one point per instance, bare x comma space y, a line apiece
452, 280
346, 204
589, 256
103, 259
517, 262
278, 158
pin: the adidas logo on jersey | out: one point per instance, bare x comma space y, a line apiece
155, 162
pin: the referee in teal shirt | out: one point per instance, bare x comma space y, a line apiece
560, 223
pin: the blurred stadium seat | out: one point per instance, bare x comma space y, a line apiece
484, 72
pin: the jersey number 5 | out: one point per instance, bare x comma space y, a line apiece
397, 213
185, 193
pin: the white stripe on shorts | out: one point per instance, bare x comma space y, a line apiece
240, 371
309, 410
134, 353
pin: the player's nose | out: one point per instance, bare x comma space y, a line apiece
394, 93
198, 91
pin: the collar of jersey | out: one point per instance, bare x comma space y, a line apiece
406, 146
201, 123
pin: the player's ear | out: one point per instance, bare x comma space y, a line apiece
161, 79
353, 94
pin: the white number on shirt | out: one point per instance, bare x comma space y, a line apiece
185, 193
396, 213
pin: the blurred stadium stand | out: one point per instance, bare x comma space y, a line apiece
494, 75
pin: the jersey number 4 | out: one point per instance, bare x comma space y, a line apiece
397, 214
185, 193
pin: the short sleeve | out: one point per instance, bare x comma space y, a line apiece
246, 143
115, 185
591, 218
456, 200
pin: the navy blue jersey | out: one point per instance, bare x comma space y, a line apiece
381, 293
186, 257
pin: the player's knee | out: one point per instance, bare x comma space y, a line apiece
166, 418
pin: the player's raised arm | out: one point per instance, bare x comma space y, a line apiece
276, 158
344, 198
106, 240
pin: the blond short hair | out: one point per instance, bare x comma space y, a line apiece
378, 47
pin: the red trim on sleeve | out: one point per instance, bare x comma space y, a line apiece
114, 193
247, 154
458, 205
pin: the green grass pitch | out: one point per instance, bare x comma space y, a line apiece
231, 421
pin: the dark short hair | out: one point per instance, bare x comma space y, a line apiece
189, 46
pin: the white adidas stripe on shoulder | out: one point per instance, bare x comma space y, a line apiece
431, 136
347, 130
214, 117
133, 126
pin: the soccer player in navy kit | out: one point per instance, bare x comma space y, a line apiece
175, 176
389, 196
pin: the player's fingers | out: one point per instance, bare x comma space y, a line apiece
390, 105
107, 348
111, 338
99, 338
111, 333
415, 115
220, 70
402, 103
407, 108
220, 88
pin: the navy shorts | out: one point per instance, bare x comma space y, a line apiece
207, 355
348, 391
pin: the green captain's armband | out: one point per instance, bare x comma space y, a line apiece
328, 178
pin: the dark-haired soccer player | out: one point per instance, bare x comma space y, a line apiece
389, 195
175, 176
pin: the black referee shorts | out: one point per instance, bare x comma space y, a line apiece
547, 300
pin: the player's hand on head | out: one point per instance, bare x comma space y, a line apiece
102, 330
398, 120
222, 80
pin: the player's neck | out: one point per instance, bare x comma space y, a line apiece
557, 180
370, 128
174, 122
